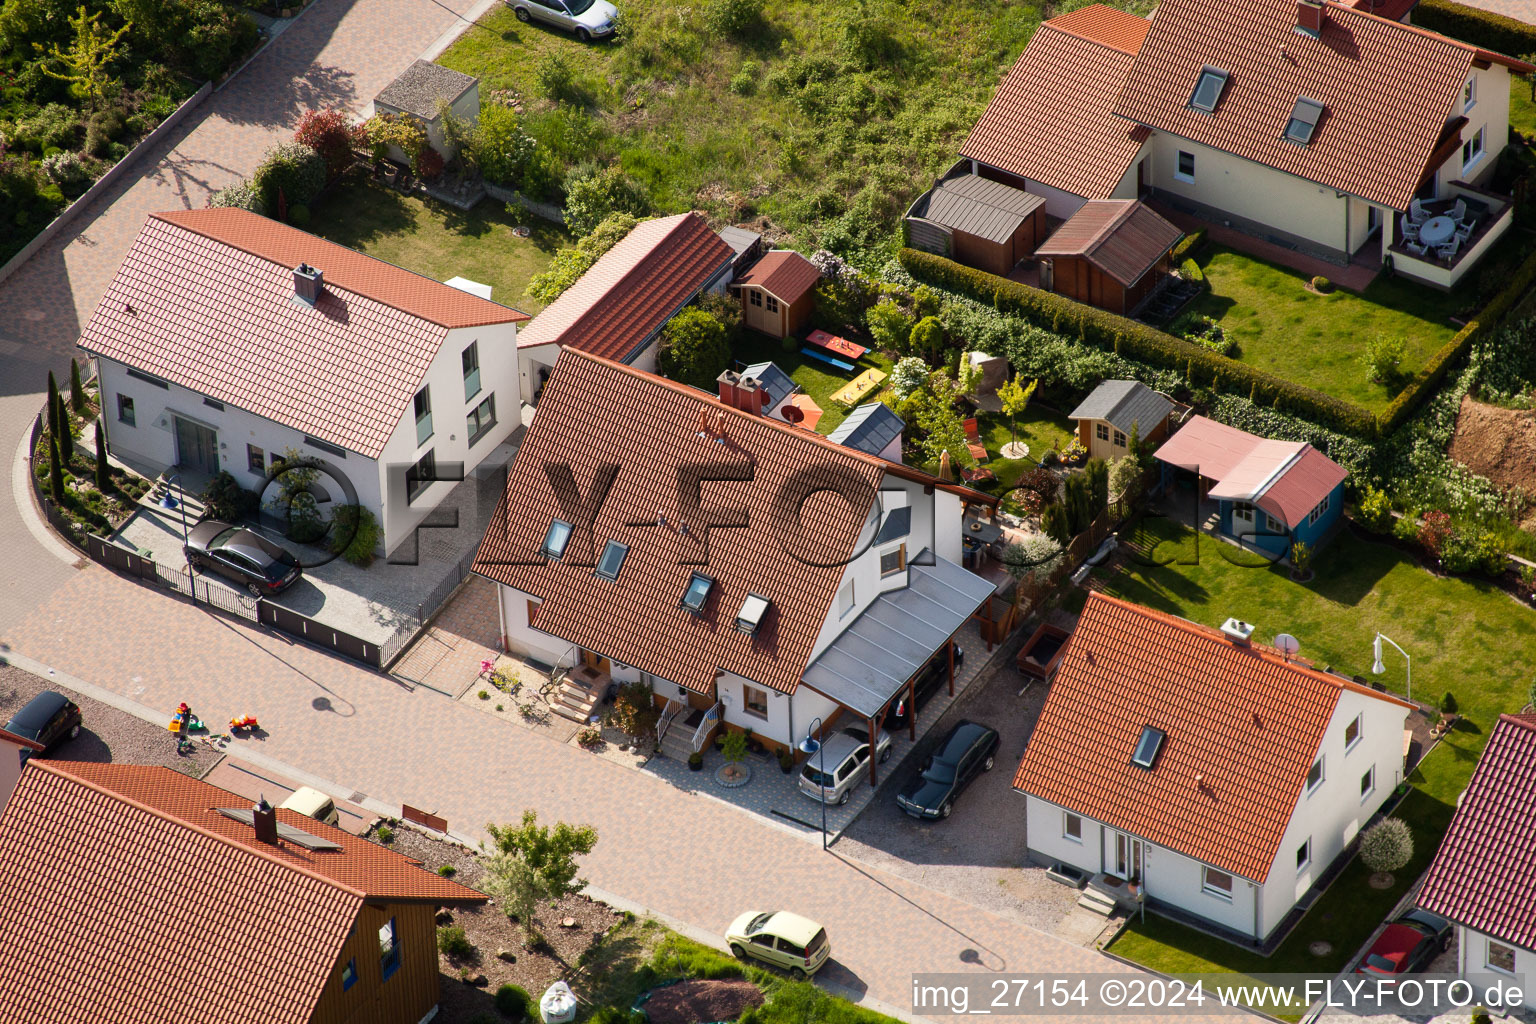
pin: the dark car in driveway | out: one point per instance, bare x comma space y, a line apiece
241, 556
968, 750
49, 718
929, 679
1407, 945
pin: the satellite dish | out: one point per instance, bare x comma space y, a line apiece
1287, 644
793, 413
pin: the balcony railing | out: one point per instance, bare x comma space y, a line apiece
1491, 215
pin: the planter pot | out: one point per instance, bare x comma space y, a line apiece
786, 767
733, 776
695, 766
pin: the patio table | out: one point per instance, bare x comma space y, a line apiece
983, 531
1437, 230
842, 346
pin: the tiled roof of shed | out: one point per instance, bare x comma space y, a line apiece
783, 273
1387, 88
1122, 237
140, 853
205, 299
633, 288
1243, 720
1484, 875
1052, 118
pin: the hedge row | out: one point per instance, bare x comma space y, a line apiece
1480, 28
1188, 246
1427, 379
1200, 366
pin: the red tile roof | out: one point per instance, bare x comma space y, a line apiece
783, 273
1484, 876
1241, 719
633, 288
1287, 479
137, 902
596, 413
1122, 237
1388, 89
1052, 118
205, 298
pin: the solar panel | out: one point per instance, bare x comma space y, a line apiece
1303, 120
296, 836
1208, 89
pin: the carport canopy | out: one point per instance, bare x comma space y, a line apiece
878, 654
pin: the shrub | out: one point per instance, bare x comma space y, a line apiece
888, 325
1387, 845
1322, 284
54, 126
1189, 270
218, 35
1036, 557
385, 834
503, 151
225, 499
68, 171
447, 870
592, 196
1125, 478
734, 18
354, 534
403, 132
1376, 511
743, 82
451, 941
1189, 245
427, 164
513, 1001
295, 172
1054, 522
1406, 529
1434, 529
243, 196
1480, 28
693, 349
298, 215
1384, 358
1096, 473
328, 133
926, 338
555, 75
573, 261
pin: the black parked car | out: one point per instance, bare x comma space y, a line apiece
49, 718
242, 557
1407, 945
930, 678
968, 750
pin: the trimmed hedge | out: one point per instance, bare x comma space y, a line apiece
1200, 366
1480, 28
1188, 246
1427, 379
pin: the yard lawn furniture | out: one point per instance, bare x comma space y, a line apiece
855, 390
982, 531
973, 440
841, 364
842, 346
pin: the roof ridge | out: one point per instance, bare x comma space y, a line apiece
164, 216
894, 468
681, 219
1261, 651
1107, 230
54, 768
1524, 720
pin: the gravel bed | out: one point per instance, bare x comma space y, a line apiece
108, 735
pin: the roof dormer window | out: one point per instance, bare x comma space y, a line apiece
556, 538
751, 615
612, 561
696, 593
1148, 746
1303, 120
1208, 89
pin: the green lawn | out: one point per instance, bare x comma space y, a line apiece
1039, 428
829, 135
1460, 633
1522, 111
1319, 340
439, 241
815, 378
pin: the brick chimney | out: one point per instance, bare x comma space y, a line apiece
308, 283
751, 395
1309, 17
264, 822
730, 387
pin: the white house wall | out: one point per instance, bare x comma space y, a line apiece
523, 638
449, 442
1490, 113
1472, 959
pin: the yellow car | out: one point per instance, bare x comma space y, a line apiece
785, 940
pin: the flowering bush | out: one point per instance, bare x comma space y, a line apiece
68, 171
329, 133
243, 196
1376, 511
1386, 846
1035, 557
909, 374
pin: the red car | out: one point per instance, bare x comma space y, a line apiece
1407, 945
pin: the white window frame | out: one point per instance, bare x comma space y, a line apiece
1488, 957
1206, 871
1474, 149
1322, 507
1322, 774
1304, 855
1469, 94
1178, 166
1273, 525
1358, 722
1067, 819
1368, 783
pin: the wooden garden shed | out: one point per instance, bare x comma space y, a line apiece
978, 222
1112, 253
778, 293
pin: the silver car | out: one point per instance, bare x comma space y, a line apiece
846, 759
588, 19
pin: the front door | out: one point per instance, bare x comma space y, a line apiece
1127, 857
596, 662
1242, 519
197, 447
1141, 177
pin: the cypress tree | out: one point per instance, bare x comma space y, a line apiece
53, 406
55, 471
76, 389
103, 477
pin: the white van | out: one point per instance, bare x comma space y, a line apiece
312, 804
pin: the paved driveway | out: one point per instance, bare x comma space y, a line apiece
689, 858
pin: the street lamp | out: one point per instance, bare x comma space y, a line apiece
168, 501
1378, 667
812, 746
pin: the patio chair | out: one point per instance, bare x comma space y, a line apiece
1416, 212
1449, 249
973, 440
1464, 231
1411, 231
1459, 211
1414, 247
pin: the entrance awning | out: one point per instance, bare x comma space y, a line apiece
896, 635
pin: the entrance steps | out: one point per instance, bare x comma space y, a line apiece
1097, 902
677, 741
576, 698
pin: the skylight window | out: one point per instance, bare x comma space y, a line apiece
612, 561
1148, 747
555, 540
1208, 89
1303, 120
697, 592
751, 615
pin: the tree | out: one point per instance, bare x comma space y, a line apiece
1096, 472
1054, 521
1125, 479
694, 349
88, 55
1387, 846
1079, 513
290, 172
1015, 398
53, 406
536, 862
514, 883
55, 470
76, 389
940, 423
927, 338
1138, 449
634, 710
328, 133
888, 325
103, 475
909, 374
